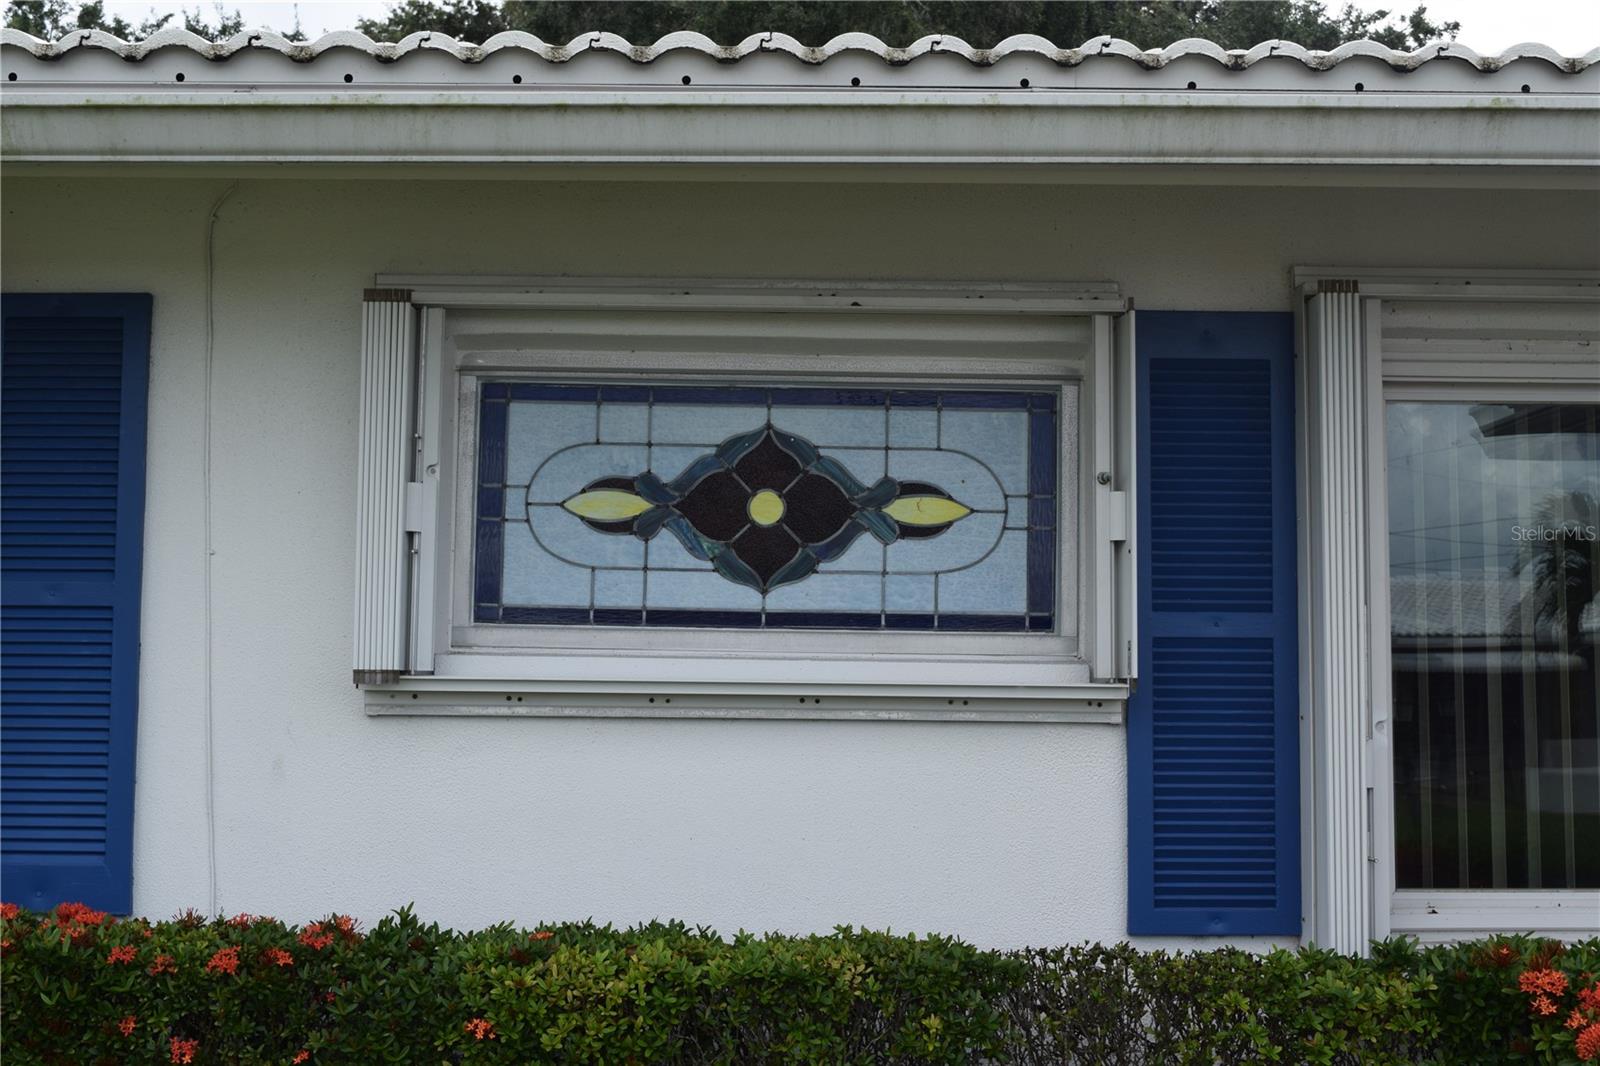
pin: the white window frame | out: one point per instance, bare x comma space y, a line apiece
1346, 754
520, 648
450, 666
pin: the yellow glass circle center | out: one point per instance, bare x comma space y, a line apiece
766, 507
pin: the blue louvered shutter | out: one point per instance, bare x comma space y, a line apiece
73, 372
1213, 835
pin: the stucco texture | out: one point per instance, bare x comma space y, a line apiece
1004, 834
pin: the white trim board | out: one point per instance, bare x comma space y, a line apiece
1428, 283
1513, 133
1457, 914
745, 294
1236, 175
494, 697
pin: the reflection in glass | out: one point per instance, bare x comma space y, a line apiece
1493, 536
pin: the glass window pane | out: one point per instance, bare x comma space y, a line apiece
767, 507
1495, 625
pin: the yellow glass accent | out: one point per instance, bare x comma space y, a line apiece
607, 505
766, 507
926, 510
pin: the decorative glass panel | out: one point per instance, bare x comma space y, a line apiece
1495, 627
777, 508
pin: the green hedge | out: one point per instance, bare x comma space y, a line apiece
78, 987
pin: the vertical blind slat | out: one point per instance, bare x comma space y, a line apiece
1496, 629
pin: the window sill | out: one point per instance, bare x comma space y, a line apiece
1101, 704
1456, 914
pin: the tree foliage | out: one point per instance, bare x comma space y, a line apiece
1231, 23
54, 19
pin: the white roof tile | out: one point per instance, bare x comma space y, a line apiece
1020, 44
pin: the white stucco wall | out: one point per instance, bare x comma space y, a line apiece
1004, 834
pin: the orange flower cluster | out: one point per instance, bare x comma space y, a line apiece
1546, 987
241, 920
278, 957
542, 934
224, 961
77, 921
163, 964
122, 953
481, 1028
127, 1025
1542, 985
9, 911
313, 937
300, 1056
319, 935
1535, 981
1586, 1017
77, 912
184, 1051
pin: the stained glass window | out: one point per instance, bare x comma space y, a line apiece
769, 507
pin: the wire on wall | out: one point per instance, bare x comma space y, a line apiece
205, 464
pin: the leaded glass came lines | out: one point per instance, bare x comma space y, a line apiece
784, 507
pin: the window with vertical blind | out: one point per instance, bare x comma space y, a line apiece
1495, 624
1453, 420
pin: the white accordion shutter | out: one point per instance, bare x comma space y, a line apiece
388, 366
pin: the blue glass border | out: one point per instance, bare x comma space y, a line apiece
488, 553
776, 395
1043, 474
691, 618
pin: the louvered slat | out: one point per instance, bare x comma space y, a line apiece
64, 371
71, 508
1191, 773
1213, 844
1211, 480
